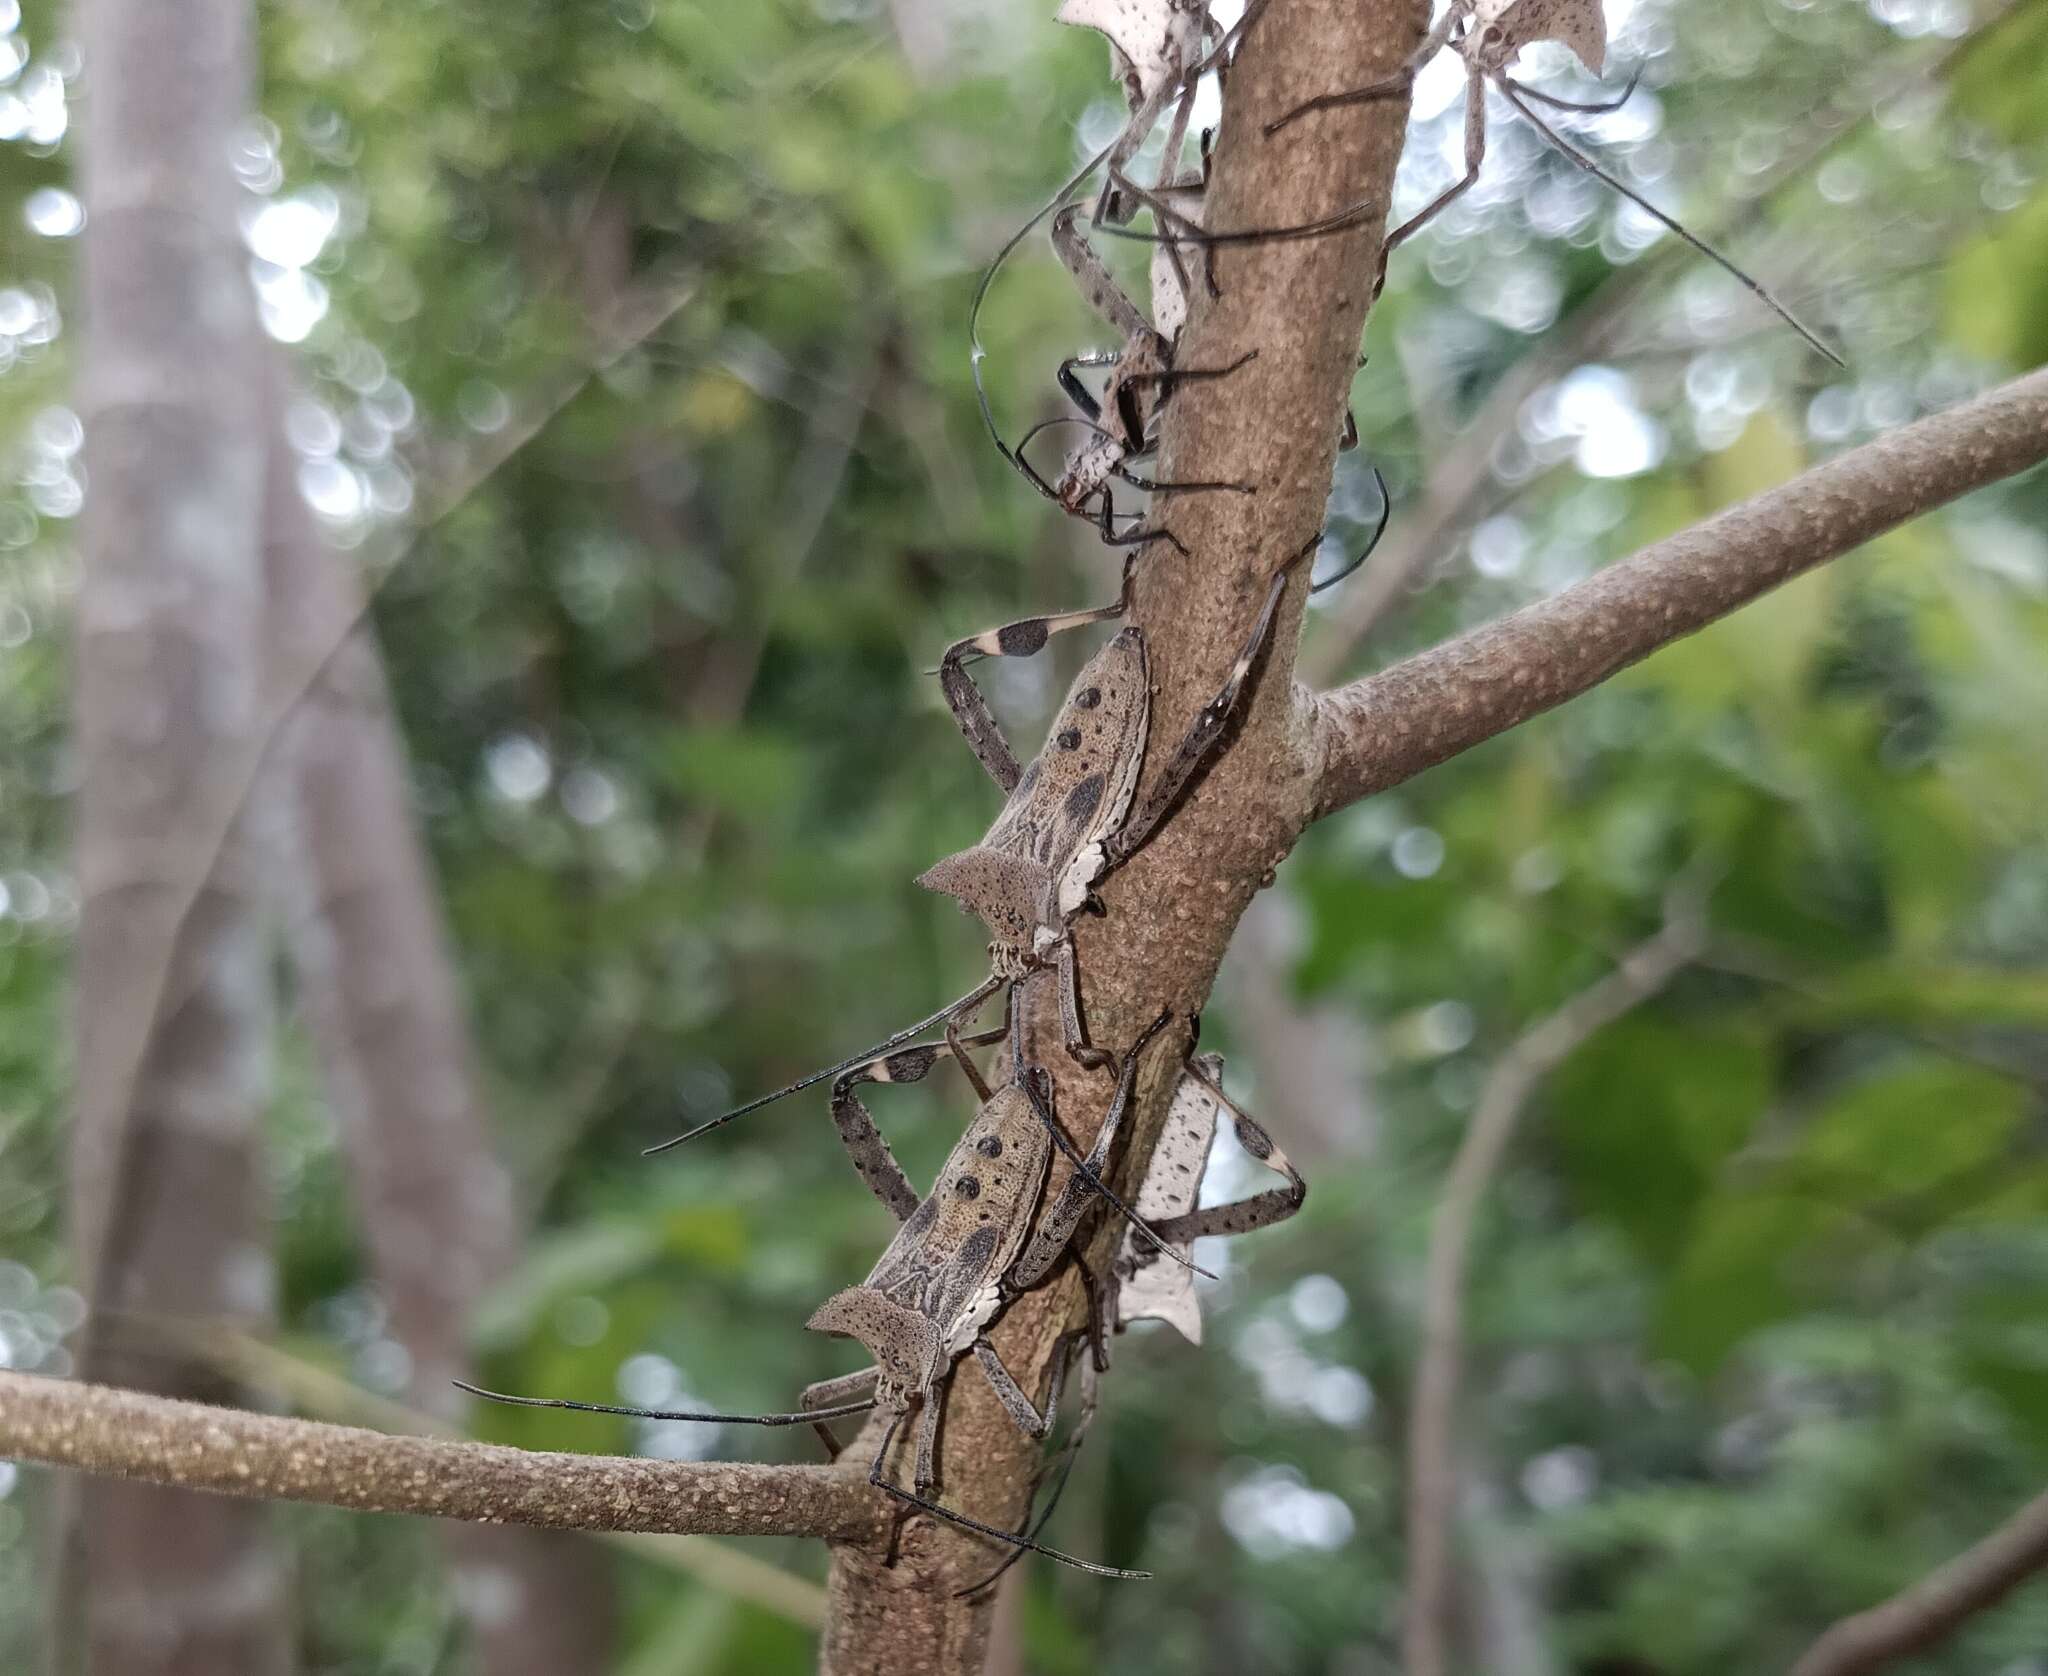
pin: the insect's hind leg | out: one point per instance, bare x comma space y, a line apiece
836, 1393
1020, 639
858, 1133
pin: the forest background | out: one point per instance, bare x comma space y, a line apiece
627, 350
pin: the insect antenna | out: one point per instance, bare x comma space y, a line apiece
1513, 92
1379, 529
1070, 1458
960, 1008
804, 1419
1016, 1539
976, 352
1589, 107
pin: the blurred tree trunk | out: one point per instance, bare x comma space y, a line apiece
381, 996
173, 1020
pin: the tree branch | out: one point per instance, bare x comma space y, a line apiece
192, 1446
1461, 480
1432, 1419
1388, 727
1921, 1615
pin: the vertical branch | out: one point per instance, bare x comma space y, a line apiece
1432, 1421
167, 1207
1273, 425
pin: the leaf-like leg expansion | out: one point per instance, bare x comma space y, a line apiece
858, 1133
1243, 1216
1432, 44
865, 1145
1021, 639
833, 1393
1205, 732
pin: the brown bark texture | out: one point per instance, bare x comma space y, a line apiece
161, 1440
1934, 1607
1273, 424
173, 1023
379, 990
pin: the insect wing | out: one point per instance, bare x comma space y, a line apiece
1079, 788
946, 1261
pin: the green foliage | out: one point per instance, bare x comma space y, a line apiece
1755, 1306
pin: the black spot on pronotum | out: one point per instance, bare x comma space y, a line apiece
1088, 698
967, 1187
990, 1146
1070, 739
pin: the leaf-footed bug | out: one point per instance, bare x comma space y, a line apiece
1067, 822
982, 1237
1137, 1287
1488, 35
1144, 1287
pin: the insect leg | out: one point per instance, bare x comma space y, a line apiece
1097, 284
864, 1142
1261, 1210
1016, 1539
929, 1409
1588, 107
831, 1393
1073, 1029
1077, 392
1475, 154
1021, 639
1057, 1226
1204, 732
1011, 1395
1432, 44
1061, 1461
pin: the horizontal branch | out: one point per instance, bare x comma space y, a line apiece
190, 1446
1933, 1607
1388, 727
